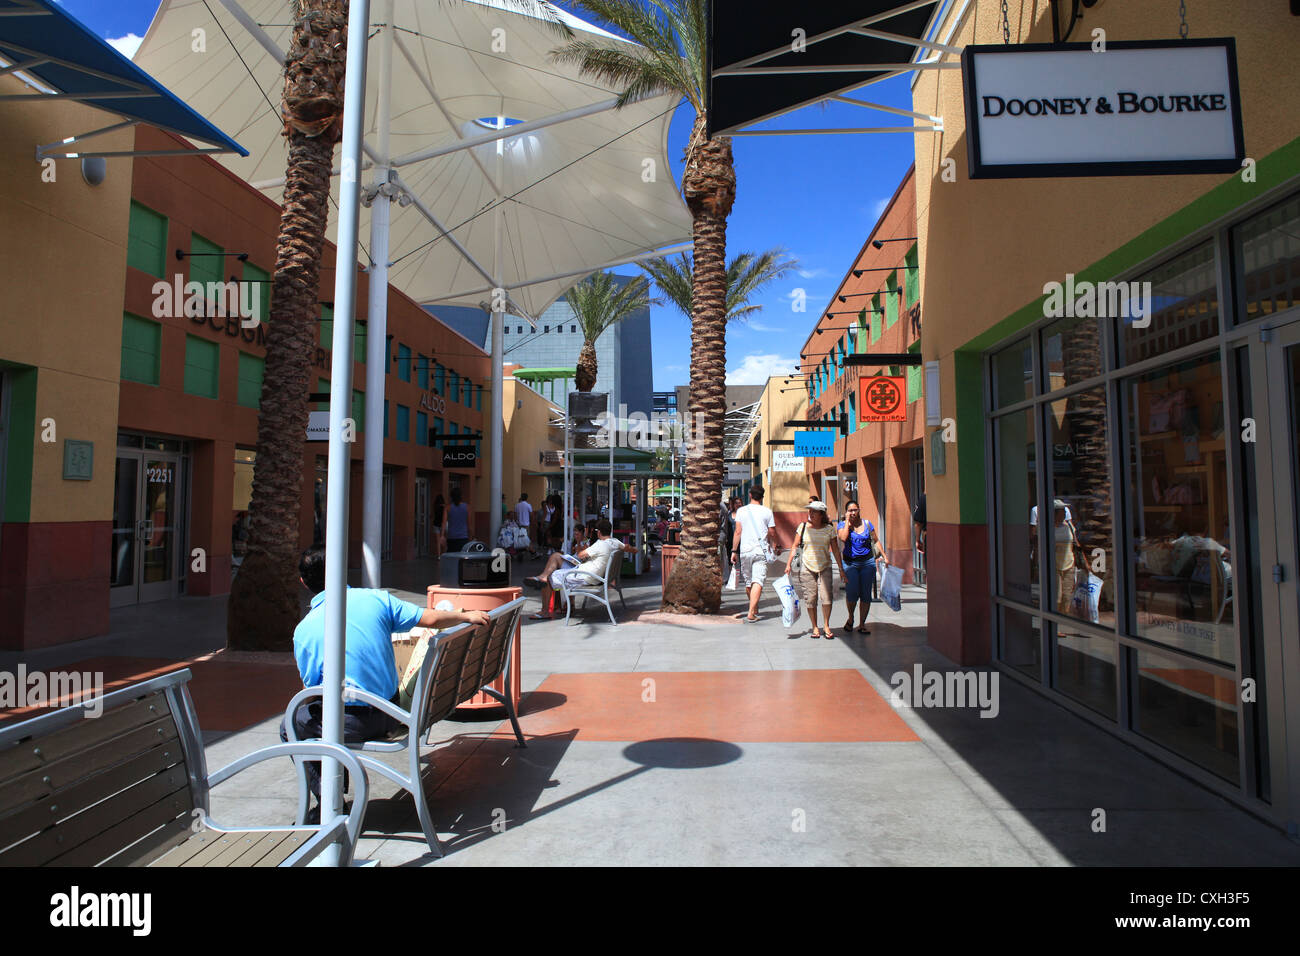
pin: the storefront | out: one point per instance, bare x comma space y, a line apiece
875, 311
1114, 519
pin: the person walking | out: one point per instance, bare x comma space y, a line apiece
727, 534
457, 522
752, 547
816, 544
861, 550
524, 513
439, 517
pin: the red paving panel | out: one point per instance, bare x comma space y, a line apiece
815, 706
227, 695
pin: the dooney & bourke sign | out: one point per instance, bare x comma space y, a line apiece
1136, 109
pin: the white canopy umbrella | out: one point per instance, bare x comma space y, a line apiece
573, 193
513, 177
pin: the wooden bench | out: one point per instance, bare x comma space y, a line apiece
462, 662
131, 788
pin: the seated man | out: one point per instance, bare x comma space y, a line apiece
373, 616
595, 560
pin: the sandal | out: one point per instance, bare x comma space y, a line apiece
816, 632
863, 629
539, 617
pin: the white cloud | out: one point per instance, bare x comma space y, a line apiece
126, 45
756, 369
760, 327
876, 208
813, 273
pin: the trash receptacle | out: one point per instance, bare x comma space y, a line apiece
473, 598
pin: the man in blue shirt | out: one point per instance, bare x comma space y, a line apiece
373, 617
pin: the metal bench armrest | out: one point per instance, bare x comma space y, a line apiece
355, 695
312, 748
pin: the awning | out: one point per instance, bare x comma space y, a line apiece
768, 57
41, 42
579, 185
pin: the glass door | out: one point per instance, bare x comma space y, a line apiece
422, 516
145, 533
1280, 543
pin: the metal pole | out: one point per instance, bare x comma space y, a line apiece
336, 521
372, 475
498, 358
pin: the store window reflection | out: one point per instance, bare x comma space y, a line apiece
1184, 306
1191, 710
239, 531
1013, 374
1268, 248
1017, 492
1182, 568
1021, 644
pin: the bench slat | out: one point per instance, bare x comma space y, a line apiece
196, 843
218, 846
32, 784
260, 847
293, 839
64, 803
99, 832
161, 841
81, 736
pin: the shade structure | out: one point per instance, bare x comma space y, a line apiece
768, 57
594, 189
58, 51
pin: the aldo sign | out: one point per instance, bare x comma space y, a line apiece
1136, 109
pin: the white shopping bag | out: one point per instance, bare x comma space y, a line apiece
789, 600
732, 584
890, 589
1084, 603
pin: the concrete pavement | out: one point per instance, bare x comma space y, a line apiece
722, 766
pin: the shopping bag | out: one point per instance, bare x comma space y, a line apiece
1085, 604
789, 600
891, 588
731, 580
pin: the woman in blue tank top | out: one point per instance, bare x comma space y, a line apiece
861, 550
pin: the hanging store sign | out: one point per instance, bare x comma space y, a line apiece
1135, 109
814, 444
318, 426
882, 398
459, 456
786, 461
738, 474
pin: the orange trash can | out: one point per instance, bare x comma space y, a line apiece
486, 599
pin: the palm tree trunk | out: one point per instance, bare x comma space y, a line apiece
709, 186
584, 377
263, 609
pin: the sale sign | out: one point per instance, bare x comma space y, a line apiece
882, 398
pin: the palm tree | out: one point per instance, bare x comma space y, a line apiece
263, 607
263, 604
599, 302
671, 59
746, 274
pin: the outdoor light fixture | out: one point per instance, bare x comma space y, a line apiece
857, 273
241, 256
880, 243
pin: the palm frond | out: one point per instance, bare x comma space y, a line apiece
599, 302
747, 273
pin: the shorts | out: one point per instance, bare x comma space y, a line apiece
815, 587
573, 578
753, 568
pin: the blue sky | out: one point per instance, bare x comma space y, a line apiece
817, 196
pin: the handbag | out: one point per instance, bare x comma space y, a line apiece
796, 559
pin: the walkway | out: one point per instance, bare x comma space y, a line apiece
708, 741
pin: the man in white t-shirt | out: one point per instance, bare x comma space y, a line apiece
753, 547
595, 560
524, 514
